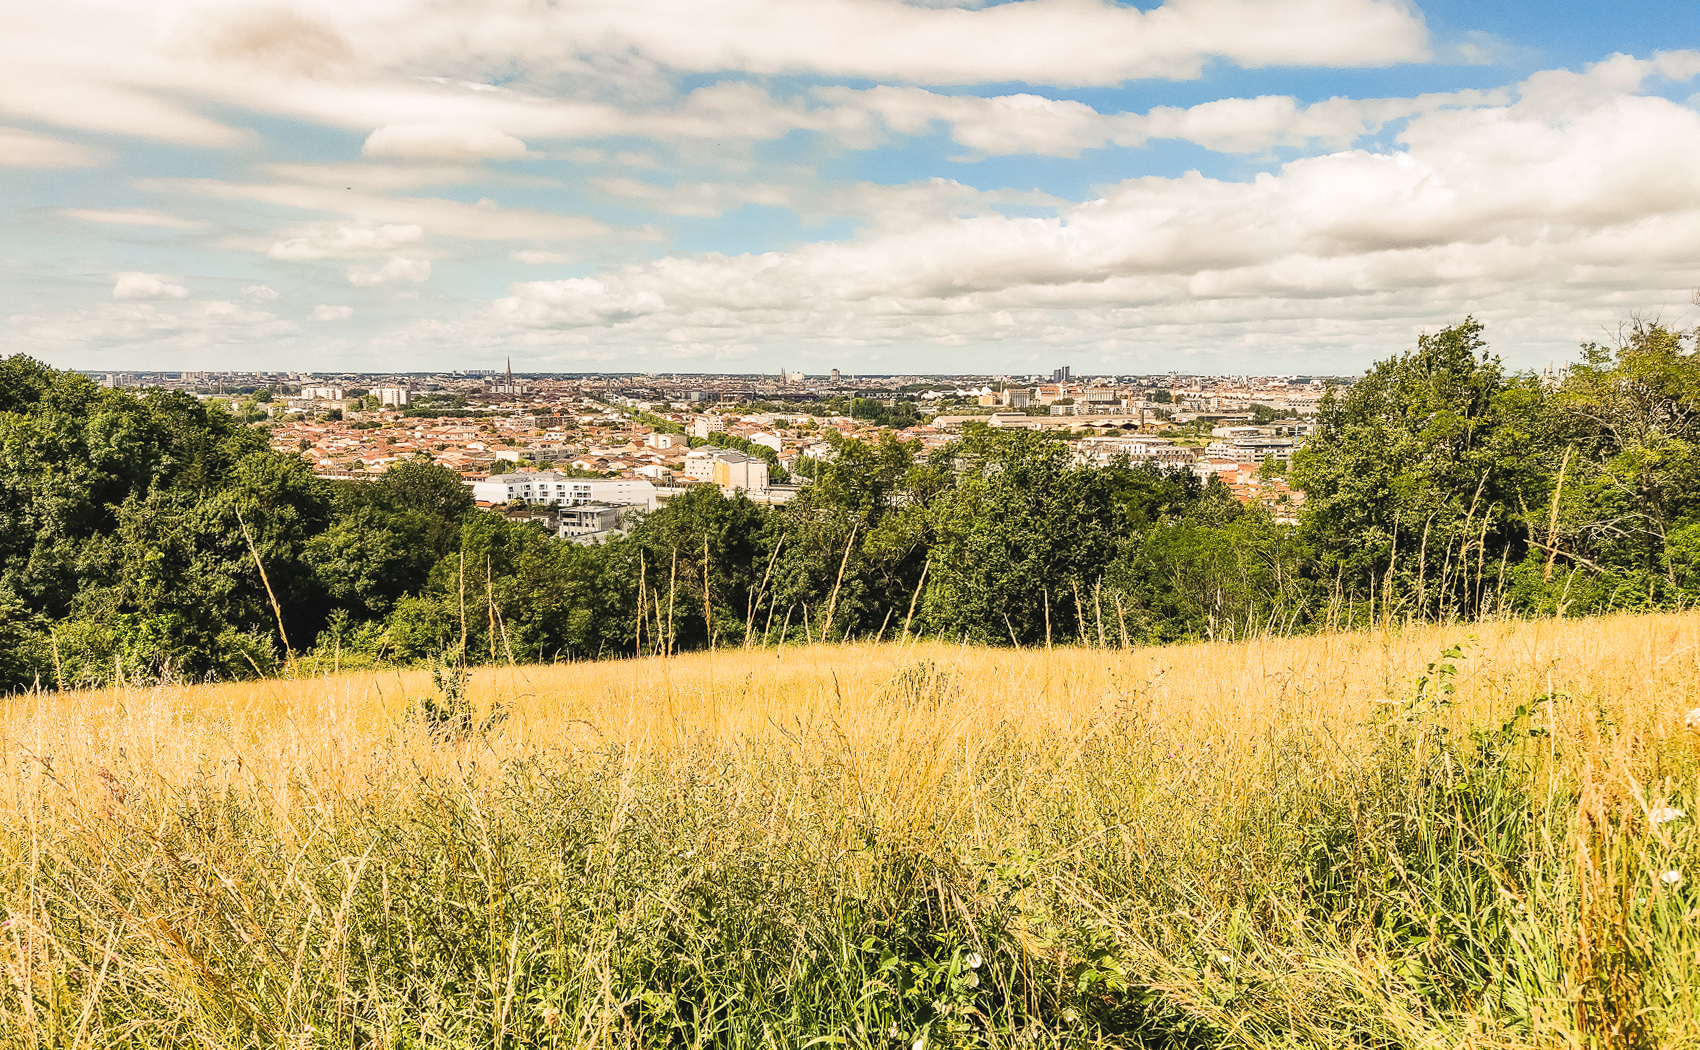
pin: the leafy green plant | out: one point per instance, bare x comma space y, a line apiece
449, 713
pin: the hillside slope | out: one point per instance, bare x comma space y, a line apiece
1444, 836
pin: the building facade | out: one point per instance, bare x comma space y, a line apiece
542, 487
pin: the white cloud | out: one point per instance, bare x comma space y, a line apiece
1068, 42
397, 268
26, 149
147, 286
346, 242
332, 313
169, 329
442, 140
1005, 125
153, 70
580, 301
131, 217
262, 292
451, 218
1577, 201
274, 37
533, 257
900, 205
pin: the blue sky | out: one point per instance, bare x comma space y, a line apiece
1260, 186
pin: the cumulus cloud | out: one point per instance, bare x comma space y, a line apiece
535, 257
152, 70
343, 242
442, 140
1566, 196
273, 37
262, 292
1005, 125
1560, 207
147, 286
332, 313
397, 268
1066, 42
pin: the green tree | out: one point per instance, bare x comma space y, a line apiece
1417, 478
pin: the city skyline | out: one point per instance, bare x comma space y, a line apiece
1209, 186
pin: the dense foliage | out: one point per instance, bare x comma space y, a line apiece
151, 535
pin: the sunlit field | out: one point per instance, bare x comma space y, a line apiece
1342, 840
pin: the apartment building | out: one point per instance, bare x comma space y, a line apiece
546, 486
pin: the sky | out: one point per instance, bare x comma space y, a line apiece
1208, 186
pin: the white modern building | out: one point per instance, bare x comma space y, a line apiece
392, 396
543, 487
1101, 452
1250, 450
702, 426
699, 462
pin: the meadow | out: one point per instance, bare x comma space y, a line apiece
1433, 836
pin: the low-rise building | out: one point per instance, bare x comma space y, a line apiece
594, 522
702, 426
1249, 449
1101, 452
734, 471
730, 469
546, 486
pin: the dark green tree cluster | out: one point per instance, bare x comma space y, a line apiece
150, 535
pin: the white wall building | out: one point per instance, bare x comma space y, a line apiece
1101, 452
660, 440
321, 393
1249, 450
734, 471
702, 426
766, 441
545, 486
699, 463
392, 396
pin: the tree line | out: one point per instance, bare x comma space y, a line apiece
147, 536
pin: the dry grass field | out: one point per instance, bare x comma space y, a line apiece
1341, 840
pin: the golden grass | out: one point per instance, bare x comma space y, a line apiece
1641, 672
1160, 801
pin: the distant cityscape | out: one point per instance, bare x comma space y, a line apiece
582, 452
